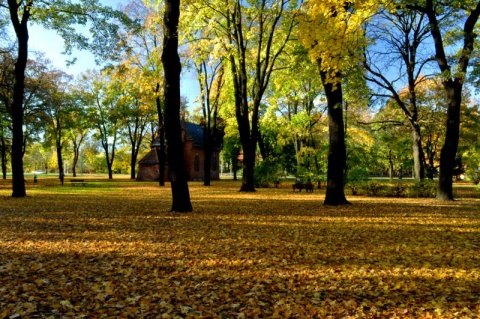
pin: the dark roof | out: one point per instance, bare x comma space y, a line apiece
149, 159
195, 133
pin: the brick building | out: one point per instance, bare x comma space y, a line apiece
193, 149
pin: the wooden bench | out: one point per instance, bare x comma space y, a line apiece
78, 181
308, 187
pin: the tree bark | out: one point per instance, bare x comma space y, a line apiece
161, 136
171, 91
453, 85
4, 158
335, 194
449, 148
418, 155
21, 31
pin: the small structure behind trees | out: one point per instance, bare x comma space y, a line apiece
194, 153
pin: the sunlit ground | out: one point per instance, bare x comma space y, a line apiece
113, 250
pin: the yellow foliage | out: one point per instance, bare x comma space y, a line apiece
332, 31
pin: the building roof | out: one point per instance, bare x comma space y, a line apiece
194, 133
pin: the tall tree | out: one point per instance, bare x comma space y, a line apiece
171, 92
102, 100
61, 16
402, 34
462, 21
333, 33
251, 37
210, 78
145, 43
57, 107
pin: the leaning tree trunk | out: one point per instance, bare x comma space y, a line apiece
450, 146
171, 91
335, 194
21, 31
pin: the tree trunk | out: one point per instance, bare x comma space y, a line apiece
133, 163
335, 194
109, 168
171, 92
418, 156
207, 164
21, 31
450, 146
161, 136
61, 173
4, 158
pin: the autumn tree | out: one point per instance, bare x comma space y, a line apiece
171, 92
61, 16
210, 80
400, 55
462, 17
333, 33
134, 110
144, 59
251, 37
102, 100
57, 108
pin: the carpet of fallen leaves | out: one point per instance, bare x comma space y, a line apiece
112, 250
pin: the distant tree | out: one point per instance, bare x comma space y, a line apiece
403, 35
57, 106
61, 16
102, 100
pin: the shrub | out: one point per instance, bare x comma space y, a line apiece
425, 188
372, 188
473, 176
268, 173
355, 178
396, 190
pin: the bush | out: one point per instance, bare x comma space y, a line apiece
355, 178
473, 176
268, 174
426, 188
372, 188
396, 190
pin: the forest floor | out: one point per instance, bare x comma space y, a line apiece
112, 249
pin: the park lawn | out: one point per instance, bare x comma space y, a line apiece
112, 250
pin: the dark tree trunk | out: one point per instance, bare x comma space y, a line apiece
161, 136
61, 173
76, 154
449, 149
171, 92
453, 85
21, 31
207, 164
133, 164
4, 158
335, 194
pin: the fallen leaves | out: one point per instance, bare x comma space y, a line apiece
111, 252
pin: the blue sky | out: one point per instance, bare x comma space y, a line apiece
48, 42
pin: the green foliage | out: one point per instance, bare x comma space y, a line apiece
373, 187
473, 176
268, 173
355, 178
426, 188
